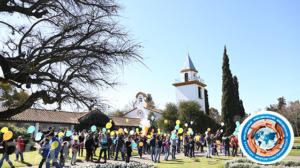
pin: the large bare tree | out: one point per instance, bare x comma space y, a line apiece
62, 49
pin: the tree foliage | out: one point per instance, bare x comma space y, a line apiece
95, 117
62, 50
118, 113
206, 102
11, 96
171, 114
153, 123
150, 101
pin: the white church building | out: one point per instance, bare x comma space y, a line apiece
190, 86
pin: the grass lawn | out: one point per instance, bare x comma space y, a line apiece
215, 162
32, 158
295, 152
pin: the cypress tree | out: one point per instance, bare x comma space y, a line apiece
206, 102
239, 103
229, 107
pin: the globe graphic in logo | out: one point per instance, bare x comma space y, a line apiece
265, 138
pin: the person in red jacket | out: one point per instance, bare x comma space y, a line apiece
20, 149
234, 145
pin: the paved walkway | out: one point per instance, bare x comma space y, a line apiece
147, 159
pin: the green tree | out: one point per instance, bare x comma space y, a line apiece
11, 96
153, 123
171, 114
150, 101
281, 103
95, 117
229, 107
239, 103
191, 111
118, 113
206, 102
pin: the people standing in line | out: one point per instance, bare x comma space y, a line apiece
152, 147
158, 146
8, 149
140, 147
185, 144
128, 149
63, 153
167, 148
178, 142
234, 145
81, 144
75, 148
44, 150
226, 143
110, 146
20, 148
54, 151
202, 142
89, 147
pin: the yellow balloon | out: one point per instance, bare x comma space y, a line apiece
121, 130
181, 137
117, 132
76, 138
54, 145
4, 129
177, 122
149, 136
208, 129
108, 131
60, 134
110, 121
165, 135
141, 144
166, 121
180, 130
112, 133
126, 120
197, 138
7, 135
108, 125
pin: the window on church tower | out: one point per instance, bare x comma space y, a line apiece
186, 77
140, 99
199, 93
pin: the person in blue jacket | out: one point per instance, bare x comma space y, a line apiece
44, 151
53, 153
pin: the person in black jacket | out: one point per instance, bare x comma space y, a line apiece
192, 146
119, 145
158, 147
152, 147
7, 150
89, 147
128, 149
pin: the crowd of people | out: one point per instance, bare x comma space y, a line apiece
57, 146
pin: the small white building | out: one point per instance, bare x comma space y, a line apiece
190, 86
142, 108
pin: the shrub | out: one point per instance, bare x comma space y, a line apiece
245, 163
120, 165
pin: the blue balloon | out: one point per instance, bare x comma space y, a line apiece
152, 118
192, 132
173, 136
235, 133
69, 133
30, 129
177, 127
104, 130
133, 145
237, 123
140, 126
39, 134
93, 128
114, 141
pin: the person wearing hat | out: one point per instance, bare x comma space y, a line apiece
54, 151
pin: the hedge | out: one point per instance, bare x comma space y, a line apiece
245, 163
119, 165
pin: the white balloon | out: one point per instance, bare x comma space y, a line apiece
221, 130
222, 124
131, 132
186, 125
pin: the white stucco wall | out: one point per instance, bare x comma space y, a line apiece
190, 92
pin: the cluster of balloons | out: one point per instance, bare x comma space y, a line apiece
236, 131
7, 135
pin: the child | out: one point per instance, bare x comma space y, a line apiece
20, 148
104, 147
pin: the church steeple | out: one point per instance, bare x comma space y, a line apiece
188, 66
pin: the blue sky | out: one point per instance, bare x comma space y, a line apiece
262, 39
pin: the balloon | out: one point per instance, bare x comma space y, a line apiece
192, 132
30, 129
145, 130
39, 134
177, 127
108, 125
137, 130
173, 136
60, 134
197, 138
76, 138
208, 129
131, 132
235, 133
114, 141
108, 131
4, 129
117, 132
165, 135
7, 135
69, 133
158, 131
110, 121
192, 122
181, 137
126, 120
166, 121
133, 145
221, 130
152, 118
112, 133
189, 133
93, 128
222, 124
177, 122
186, 124
149, 136
180, 130
103, 130
141, 126
121, 130
54, 145
38, 138
141, 144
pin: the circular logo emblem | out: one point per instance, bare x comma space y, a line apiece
266, 137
